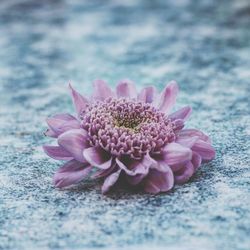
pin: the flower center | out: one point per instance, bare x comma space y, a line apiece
130, 115
127, 127
127, 122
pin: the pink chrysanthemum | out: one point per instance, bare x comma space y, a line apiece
123, 133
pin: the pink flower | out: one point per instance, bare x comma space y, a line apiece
122, 133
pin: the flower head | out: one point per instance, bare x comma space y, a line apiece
125, 134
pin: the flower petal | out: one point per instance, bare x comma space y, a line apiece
194, 132
204, 149
178, 124
57, 152
180, 169
126, 88
182, 113
98, 157
176, 167
60, 123
74, 141
184, 174
64, 117
147, 94
156, 181
168, 97
79, 101
196, 160
71, 173
102, 90
134, 167
110, 181
158, 165
135, 180
49, 132
174, 153
187, 141
104, 172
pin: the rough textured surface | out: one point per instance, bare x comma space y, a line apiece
204, 45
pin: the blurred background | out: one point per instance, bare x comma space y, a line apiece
203, 45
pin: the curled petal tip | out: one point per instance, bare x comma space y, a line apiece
168, 97
79, 101
110, 181
173, 82
126, 88
49, 133
70, 86
183, 113
147, 94
174, 86
98, 157
102, 90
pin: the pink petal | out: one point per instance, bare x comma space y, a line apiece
60, 123
49, 132
182, 113
150, 163
147, 94
157, 181
187, 141
126, 88
159, 163
98, 157
71, 173
204, 149
74, 141
178, 124
196, 160
184, 174
57, 152
102, 90
104, 172
176, 167
192, 133
168, 97
79, 101
110, 181
174, 153
64, 117
137, 170
135, 180
134, 167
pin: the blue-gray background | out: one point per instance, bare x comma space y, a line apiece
204, 45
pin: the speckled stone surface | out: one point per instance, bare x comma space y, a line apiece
204, 45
